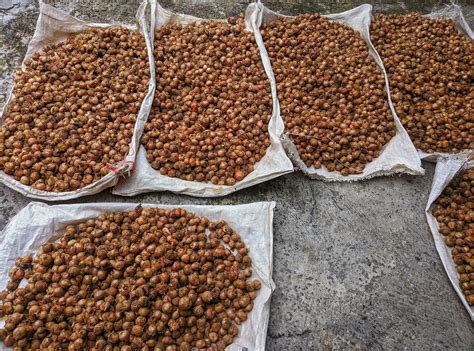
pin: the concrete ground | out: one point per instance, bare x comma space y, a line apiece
354, 264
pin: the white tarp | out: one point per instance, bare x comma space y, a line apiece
399, 155
55, 26
38, 223
447, 168
145, 179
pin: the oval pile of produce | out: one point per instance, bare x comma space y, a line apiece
147, 279
73, 109
331, 91
212, 106
429, 66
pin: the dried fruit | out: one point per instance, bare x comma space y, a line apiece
331, 91
148, 279
429, 65
212, 106
454, 211
73, 109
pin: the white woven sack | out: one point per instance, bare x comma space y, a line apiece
54, 26
399, 155
36, 223
453, 12
447, 168
145, 179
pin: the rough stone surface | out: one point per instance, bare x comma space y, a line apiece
354, 264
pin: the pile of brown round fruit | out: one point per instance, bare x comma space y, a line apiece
212, 106
429, 65
454, 211
148, 279
73, 109
331, 91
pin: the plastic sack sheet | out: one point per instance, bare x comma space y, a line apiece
453, 12
399, 155
274, 164
447, 168
54, 26
38, 223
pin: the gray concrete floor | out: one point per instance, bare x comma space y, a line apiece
354, 264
